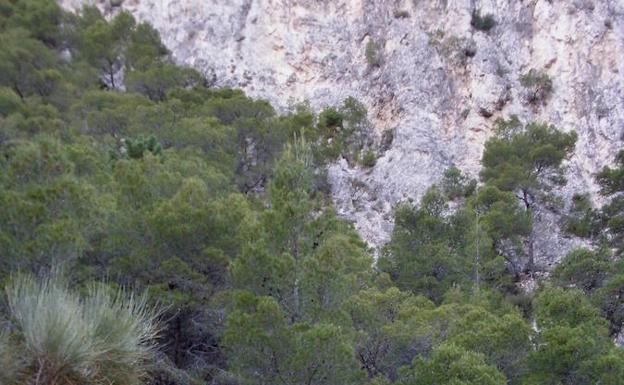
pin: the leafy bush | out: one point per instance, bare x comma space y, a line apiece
583, 269
456, 49
583, 220
159, 78
482, 23
457, 185
538, 84
330, 118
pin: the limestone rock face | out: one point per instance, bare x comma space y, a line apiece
439, 87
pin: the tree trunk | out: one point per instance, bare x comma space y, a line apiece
111, 73
18, 91
531, 264
531, 247
528, 204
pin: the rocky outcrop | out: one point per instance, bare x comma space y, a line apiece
439, 87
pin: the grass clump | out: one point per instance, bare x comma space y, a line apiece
104, 337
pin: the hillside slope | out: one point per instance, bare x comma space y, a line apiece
439, 85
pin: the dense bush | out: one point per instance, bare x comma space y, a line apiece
482, 23
458, 50
538, 85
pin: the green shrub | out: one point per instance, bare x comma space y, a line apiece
455, 184
482, 23
373, 56
583, 269
538, 84
330, 118
456, 49
135, 149
582, 220
369, 159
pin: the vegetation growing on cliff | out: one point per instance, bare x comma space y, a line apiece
130, 174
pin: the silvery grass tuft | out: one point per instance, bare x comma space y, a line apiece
104, 337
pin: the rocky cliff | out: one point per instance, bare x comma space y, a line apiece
438, 87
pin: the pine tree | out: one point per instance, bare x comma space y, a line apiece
527, 163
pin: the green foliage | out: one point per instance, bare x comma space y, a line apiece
299, 272
482, 23
218, 208
27, 66
136, 148
48, 213
450, 364
419, 257
309, 264
144, 47
583, 220
41, 17
572, 339
456, 185
159, 78
343, 132
102, 44
565, 355
583, 269
611, 215
458, 50
611, 180
610, 300
10, 359
504, 341
538, 85
518, 162
527, 163
330, 119
267, 351
556, 307
369, 159
383, 343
